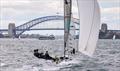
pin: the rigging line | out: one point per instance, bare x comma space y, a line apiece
91, 26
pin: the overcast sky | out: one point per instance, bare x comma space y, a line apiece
21, 11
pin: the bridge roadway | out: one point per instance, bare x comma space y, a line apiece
2, 30
45, 29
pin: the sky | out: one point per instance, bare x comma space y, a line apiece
21, 11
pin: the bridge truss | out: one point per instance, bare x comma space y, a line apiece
28, 25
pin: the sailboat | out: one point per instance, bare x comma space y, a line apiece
89, 15
114, 37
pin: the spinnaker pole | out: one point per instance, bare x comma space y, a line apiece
67, 21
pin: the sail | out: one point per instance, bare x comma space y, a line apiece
71, 38
67, 21
89, 14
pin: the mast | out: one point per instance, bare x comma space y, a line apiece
67, 21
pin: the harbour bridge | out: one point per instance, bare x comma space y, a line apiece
28, 25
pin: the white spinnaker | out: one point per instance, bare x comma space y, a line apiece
89, 14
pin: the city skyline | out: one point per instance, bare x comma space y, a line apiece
21, 11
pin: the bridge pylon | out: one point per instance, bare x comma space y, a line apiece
11, 30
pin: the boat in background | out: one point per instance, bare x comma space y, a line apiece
50, 37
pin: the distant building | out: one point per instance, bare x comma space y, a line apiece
11, 30
117, 35
104, 33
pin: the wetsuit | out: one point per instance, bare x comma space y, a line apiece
38, 55
48, 57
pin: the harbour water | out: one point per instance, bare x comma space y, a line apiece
17, 55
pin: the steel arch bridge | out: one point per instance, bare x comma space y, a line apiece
26, 26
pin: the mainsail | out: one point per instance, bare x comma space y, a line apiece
67, 21
71, 38
89, 14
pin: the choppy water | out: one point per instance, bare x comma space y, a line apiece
17, 55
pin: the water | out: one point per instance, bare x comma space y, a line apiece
17, 55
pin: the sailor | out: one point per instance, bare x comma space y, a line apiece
48, 57
41, 55
37, 54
